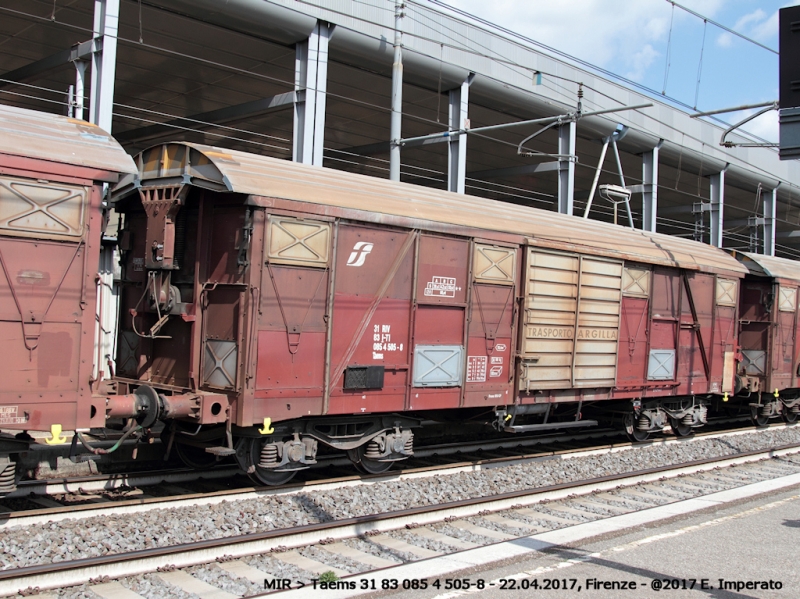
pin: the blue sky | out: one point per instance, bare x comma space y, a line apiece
631, 37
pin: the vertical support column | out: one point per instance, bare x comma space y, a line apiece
566, 167
80, 88
104, 61
770, 206
397, 93
457, 146
310, 84
717, 207
650, 185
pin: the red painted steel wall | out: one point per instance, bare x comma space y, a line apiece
47, 310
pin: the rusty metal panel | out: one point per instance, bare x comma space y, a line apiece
42, 210
371, 315
221, 321
442, 270
493, 264
227, 236
636, 281
632, 350
754, 362
295, 241
781, 268
787, 299
265, 178
220, 362
726, 292
55, 138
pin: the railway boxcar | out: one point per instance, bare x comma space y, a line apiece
272, 306
52, 173
769, 368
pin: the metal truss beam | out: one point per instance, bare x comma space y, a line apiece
214, 117
310, 84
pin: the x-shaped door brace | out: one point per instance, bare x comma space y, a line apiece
299, 241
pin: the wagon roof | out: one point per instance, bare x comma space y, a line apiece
56, 138
230, 170
780, 268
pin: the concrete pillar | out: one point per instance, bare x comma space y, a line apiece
566, 168
310, 84
650, 189
770, 204
457, 146
104, 60
717, 207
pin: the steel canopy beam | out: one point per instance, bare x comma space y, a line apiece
31, 70
513, 171
212, 117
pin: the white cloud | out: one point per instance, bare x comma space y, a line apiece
641, 61
765, 126
600, 31
768, 29
725, 40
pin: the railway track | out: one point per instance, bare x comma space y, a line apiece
360, 545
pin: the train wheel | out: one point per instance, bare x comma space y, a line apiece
789, 417
760, 420
634, 434
196, 458
367, 465
680, 429
263, 476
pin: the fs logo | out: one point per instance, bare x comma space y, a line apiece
359, 253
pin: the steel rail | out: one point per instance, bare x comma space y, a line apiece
133, 505
63, 574
95, 483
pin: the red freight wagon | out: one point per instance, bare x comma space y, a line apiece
274, 306
52, 172
769, 368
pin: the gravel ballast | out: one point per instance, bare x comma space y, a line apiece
103, 535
